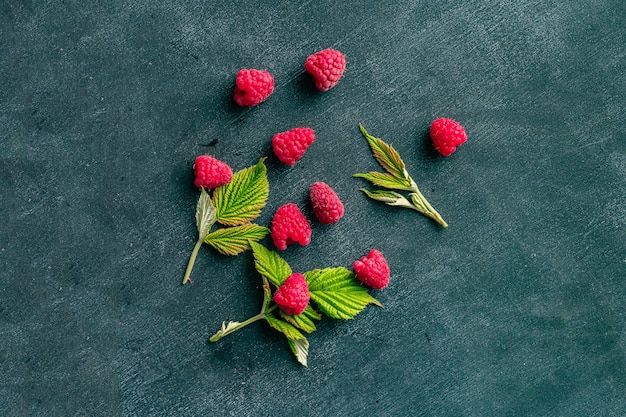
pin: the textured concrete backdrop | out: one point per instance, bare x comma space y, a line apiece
517, 309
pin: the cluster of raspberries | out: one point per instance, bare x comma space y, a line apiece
289, 225
253, 86
326, 67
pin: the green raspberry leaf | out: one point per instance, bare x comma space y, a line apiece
300, 348
386, 180
388, 197
386, 155
205, 214
234, 240
269, 264
297, 342
338, 293
242, 199
303, 321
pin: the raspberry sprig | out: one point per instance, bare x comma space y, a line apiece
396, 178
335, 292
236, 201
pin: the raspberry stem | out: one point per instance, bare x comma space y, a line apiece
423, 206
192, 261
205, 217
265, 310
222, 332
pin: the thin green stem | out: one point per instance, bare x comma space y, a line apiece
225, 332
228, 329
192, 261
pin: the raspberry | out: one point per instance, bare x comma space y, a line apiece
290, 146
447, 135
211, 172
289, 226
253, 87
326, 67
327, 206
293, 295
372, 270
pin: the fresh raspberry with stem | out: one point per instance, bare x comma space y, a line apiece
211, 172
290, 226
327, 206
293, 295
289, 146
253, 87
326, 67
372, 270
446, 135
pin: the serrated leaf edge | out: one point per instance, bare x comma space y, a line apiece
242, 244
274, 276
386, 155
248, 210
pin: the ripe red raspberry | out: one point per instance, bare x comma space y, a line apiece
327, 206
372, 270
289, 226
253, 87
447, 135
211, 172
293, 295
326, 67
290, 146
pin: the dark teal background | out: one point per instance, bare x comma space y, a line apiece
517, 309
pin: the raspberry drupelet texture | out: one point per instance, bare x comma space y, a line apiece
211, 172
372, 270
446, 135
253, 87
293, 295
290, 226
289, 146
326, 67
327, 206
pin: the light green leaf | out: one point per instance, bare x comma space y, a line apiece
418, 203
388, 197
338, 293
205, 214
386, 180
300, 348
269, 264
234, 240
297, 342
303, 321
242, 199
386, 155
